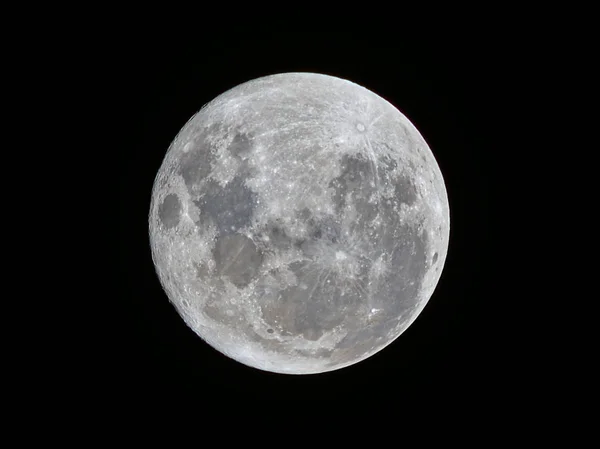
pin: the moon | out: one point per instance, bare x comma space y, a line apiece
299, 223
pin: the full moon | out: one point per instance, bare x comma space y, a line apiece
299, 223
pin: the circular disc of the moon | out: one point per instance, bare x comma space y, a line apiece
299, 223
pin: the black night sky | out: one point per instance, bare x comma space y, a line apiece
456, 94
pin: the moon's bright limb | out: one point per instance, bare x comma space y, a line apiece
299, 223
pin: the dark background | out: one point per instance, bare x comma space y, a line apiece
458, 94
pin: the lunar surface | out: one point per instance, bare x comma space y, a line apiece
299, 223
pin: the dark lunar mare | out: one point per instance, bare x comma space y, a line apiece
169, 211
196, 164
313, 306
228, 207
405, 249
395, 296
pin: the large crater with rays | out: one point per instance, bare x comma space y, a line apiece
299, 223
